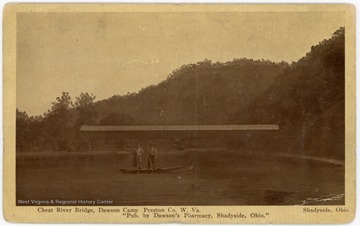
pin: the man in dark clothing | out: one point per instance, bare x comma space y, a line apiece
152, 157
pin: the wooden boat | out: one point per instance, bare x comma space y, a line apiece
186, 167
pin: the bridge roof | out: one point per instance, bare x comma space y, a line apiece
144, 128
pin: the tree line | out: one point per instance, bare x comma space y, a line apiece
306, 98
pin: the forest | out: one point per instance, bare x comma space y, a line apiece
305, 98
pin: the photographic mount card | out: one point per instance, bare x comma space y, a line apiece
190, 113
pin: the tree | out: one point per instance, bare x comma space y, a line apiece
85, 99
58, 123
85, 109
116, 119
22, 130
85, 114
62, 103
22, 115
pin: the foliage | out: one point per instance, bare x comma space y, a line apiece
307, 101
58, 129
305, 98
116, 119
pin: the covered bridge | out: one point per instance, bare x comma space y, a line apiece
179, 136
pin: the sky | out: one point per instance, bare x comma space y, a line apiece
115, 53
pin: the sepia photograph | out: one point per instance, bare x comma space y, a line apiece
167, 107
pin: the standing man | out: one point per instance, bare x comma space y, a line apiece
138, 153
152, 157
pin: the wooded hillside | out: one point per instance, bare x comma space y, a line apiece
305, 98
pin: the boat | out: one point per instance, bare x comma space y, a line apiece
186, 167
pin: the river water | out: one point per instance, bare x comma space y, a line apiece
218, 178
